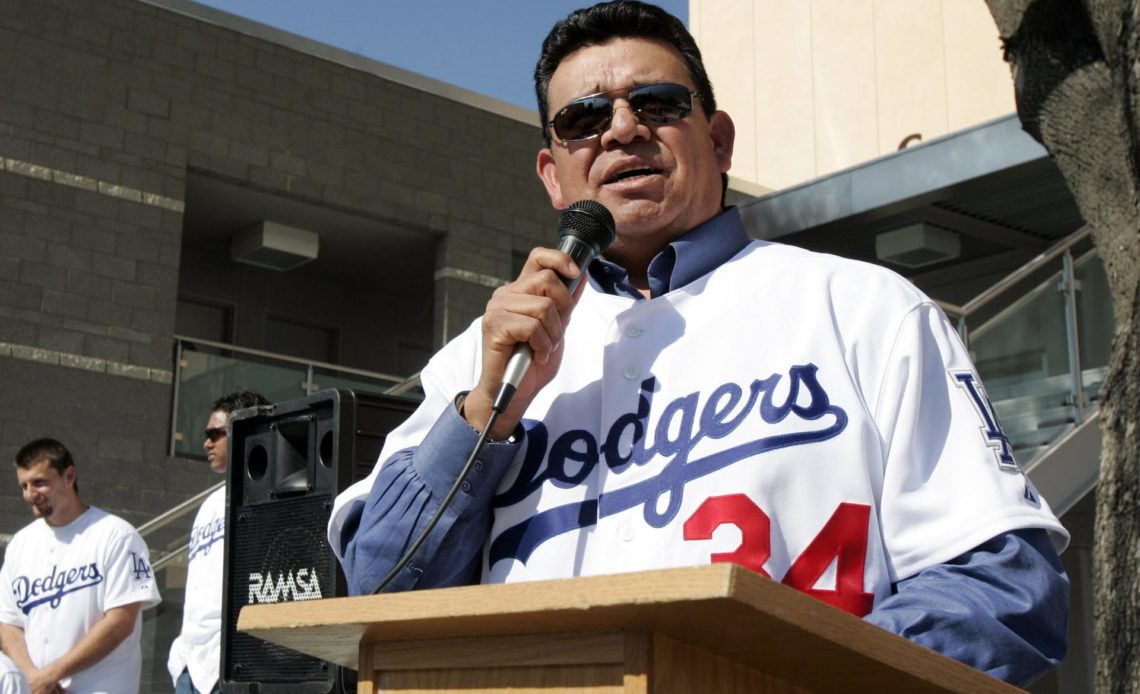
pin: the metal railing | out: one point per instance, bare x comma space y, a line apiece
1032, 352
1006, 283
204, 369
164, 519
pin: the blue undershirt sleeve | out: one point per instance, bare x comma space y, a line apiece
1001, 608
406, 493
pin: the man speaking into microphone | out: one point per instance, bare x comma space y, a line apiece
820, 412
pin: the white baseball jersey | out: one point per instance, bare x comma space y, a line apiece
198, 647
58, 582
812, 418
12, 681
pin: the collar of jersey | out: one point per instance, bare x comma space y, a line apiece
693, 255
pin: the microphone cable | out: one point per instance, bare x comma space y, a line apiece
586, 230
407, 557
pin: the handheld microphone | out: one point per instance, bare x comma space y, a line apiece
585, 231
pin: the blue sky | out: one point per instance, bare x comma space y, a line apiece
488, 47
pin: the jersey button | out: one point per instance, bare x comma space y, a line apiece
466, 486
633, 331
631, 372
625, 532
478, 466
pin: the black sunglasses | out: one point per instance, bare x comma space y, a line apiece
590, 116
215, 433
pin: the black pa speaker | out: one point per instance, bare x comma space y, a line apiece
287, 462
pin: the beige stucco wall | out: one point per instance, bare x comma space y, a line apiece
815, 86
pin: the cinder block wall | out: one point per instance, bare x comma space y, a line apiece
107, 105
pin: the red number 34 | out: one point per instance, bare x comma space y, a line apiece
843, 538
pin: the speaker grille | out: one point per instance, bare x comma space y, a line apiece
287, 463
281, 554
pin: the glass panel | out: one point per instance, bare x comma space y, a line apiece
325, 381
204, 378
159, 628
1023, 359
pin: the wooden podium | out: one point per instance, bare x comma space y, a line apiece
718, 628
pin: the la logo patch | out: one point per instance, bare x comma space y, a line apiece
139, 567
991, 429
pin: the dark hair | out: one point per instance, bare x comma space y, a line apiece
47, 449
239, 399
609, 20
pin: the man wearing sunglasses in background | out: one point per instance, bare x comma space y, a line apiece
195, 655
823, 408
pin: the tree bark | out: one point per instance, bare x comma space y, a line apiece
1076, 69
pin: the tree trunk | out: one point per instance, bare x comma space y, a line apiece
1077, 84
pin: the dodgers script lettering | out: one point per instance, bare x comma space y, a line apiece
32, 592
204, 536
681, 425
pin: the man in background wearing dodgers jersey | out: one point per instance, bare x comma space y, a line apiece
74, 584
823, 408
195, 656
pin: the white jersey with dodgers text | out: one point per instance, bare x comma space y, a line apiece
198, 646
812, 418
58, 582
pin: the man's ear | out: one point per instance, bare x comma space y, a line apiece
70, 476
723, 133
547, 171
